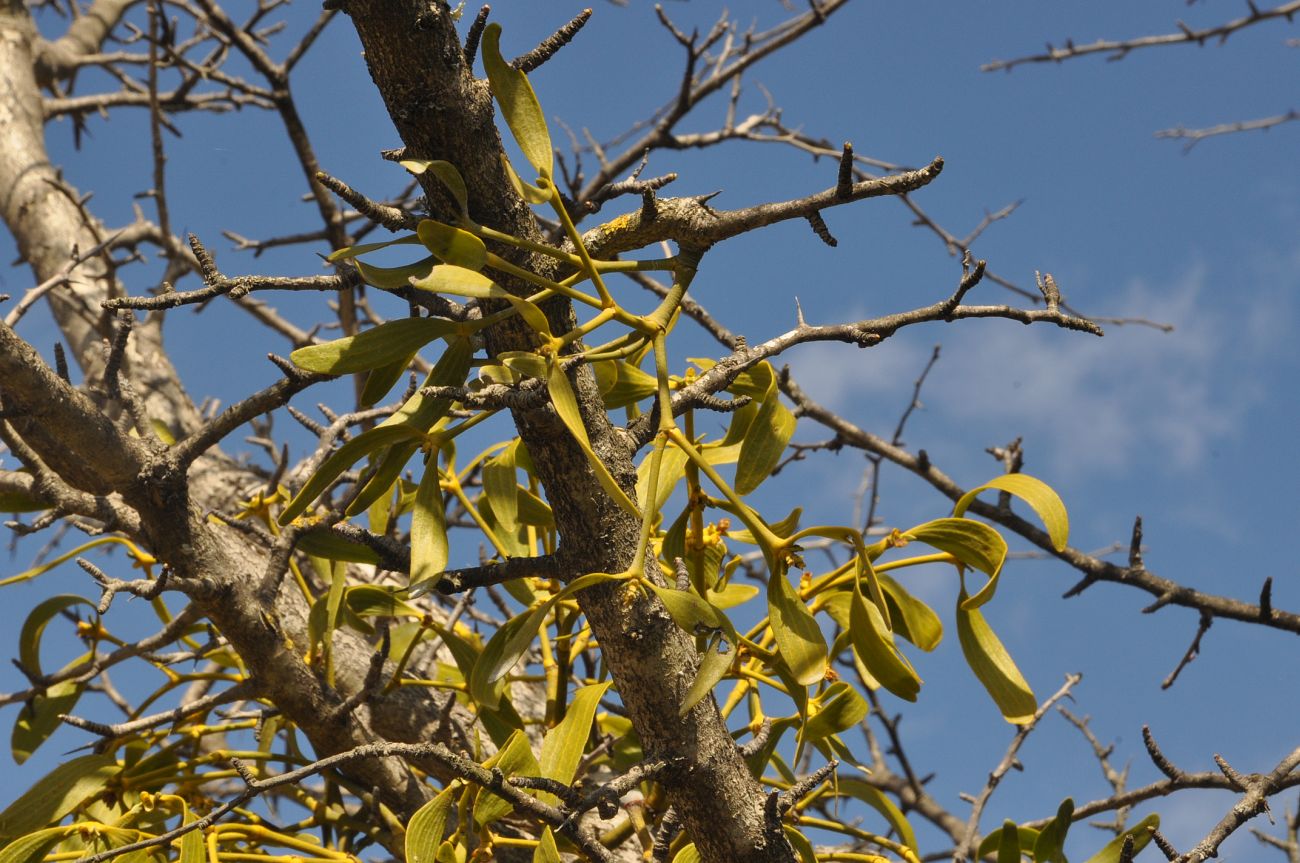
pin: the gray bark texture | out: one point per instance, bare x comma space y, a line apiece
93, 467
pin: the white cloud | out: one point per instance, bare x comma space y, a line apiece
1083, 403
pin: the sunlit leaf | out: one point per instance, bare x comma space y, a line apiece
460, 282
993, 666
518, 103
671, 470
1050, 846
1141, 833
447, 174
874, 645
873, 797
693, 614
973, 543
193, 849
798, 637
765, 441
546, 851
393, 278
33, 847
341, 459
687, 854
501, 488
1038, 494
841, 708
378, 346
563, 745
715, 662
424, 830
29, 637
912, 618
452, 245
429, 547
801, 844
350, 252
39, 717
514, 759
506, 647
566, 406
57, 793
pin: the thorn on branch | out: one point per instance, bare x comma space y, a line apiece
844, 183
1158, 758
819, 228
1266, 600
801, 789
1192, 651
1237, 781
389, 217
1135, 546
61, 362
1126, 851
551, 44
669, 827
752, 746
245, 773
1166, 847
475, 34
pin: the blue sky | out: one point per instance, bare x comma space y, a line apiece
1191, 429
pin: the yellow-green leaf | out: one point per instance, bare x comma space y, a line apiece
693, 614
973, 543
1038, 494
514, 759
33, 847
1050, 845
501, 488
687, 854
193, 849
546, 851
714, 665
507, 645
429, 549
341, 459
392, 278
424, 830
841, 708
452, 245
57, 793
382, 379
460, 282
1141, 833
870, 795
798, 637
671, 470
993, 666
912, 618
29, 637
447, 174
874, 645
39, 717
566, 406
518, 104
563, 745
376, 347
765, 441
349, 252
1025, 838
801, 844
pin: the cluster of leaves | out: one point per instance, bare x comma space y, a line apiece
688, 559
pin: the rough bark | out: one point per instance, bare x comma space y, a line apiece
442, 111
